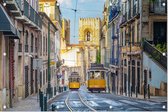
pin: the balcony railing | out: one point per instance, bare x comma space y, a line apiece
114, 61
19, 3
129, 14
158, 7
155, 54
113, 13
134, 10
19, 47
32, 14
26, 48
27, 10
124, 18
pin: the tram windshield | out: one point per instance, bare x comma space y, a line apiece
73, 79
96, 75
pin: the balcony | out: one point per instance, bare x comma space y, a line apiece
114, 61
135, 10
114, 12
133, 49
129, 14
22, 10
26, 48
158, 7
19, 47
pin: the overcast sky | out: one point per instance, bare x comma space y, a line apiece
86, 8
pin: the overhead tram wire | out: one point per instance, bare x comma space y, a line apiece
75, 10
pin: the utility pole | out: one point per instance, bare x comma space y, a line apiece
49, 70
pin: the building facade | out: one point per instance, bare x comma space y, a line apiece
139, 37
89, 36
21, 79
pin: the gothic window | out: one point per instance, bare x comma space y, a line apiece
88, 36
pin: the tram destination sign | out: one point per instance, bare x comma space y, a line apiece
96, 65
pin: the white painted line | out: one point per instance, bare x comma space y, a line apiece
129, 102
113, 103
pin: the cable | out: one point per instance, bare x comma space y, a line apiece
81, 10
75, 10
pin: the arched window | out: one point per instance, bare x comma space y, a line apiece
88, 36
26, 41
32, 42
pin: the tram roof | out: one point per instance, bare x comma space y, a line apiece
97, 69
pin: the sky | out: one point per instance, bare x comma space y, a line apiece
85, 8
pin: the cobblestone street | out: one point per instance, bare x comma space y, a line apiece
28, 104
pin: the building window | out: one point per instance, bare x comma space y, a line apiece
46, 45
138, 63
32, 42
43, 45
133, 62
88, 36
46, 75
26, 42
133, 32
43, 77
125, 62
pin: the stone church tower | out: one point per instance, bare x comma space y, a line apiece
89, 35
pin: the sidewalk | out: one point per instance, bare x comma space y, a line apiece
28, 104
158, 99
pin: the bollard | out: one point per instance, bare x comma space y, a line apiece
131, 91
41, 100
148, 91
144, 92
45, 103
136, 91
53, 107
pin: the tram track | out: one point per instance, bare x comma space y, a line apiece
82, 105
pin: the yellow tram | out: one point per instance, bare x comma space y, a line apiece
74, 81
96, 78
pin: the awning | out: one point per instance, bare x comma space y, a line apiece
6, 25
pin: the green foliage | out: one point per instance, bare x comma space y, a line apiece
59, 63
161, 47
152, 0
98, 58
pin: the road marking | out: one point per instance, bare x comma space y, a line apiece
93, 104
129, 102
113, 103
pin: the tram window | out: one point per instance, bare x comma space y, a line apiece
70, 79
97, 75
77, 79
91, 74
102, 75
